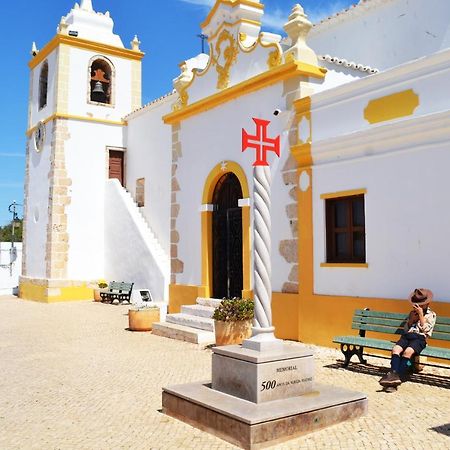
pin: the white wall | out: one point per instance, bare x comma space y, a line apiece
87, 166
407, 223
131, 254
149, 156
37, 206
79, 80
9, 277
340, 110
207, 140
403, 164
385, 33
41, 114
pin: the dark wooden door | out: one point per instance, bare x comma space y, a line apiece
116, 165
227, 238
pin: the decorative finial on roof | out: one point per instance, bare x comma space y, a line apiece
34, 51
297, 28
87, 5
135, 44
63, 26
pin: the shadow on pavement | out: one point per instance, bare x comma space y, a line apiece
420, 378
443, 429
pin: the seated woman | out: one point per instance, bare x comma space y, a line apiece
418, 328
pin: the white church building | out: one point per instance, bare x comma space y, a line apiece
352, 115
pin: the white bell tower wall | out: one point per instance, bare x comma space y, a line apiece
66, 175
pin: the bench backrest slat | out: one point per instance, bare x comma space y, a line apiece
379, 321
393, 323
378, 328
440, 336
380, 314
120, 286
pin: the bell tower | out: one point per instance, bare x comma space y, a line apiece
82, 83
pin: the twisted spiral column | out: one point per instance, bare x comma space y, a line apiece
262, 244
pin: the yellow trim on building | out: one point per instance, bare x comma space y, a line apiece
206, 222
345, 265
294, 321
82, 118
207, 254
246, 253
343, 193
393, 106
302, 154
181, 294
229, 3
285, 316
232, 24
45, 294
303, 106
104, 49
272, 76
217, 172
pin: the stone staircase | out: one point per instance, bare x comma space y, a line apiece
124, 218
192, 324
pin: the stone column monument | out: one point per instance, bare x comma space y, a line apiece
264, 391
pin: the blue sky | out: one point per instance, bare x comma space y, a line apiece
167, 30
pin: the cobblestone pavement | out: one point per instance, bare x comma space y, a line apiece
73, 377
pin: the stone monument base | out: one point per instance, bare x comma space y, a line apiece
258, 425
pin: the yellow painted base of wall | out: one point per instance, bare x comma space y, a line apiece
181, 294
39, 292
323, 317
285, 315
313, 319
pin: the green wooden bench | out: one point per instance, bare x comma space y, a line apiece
389, 323
117, 290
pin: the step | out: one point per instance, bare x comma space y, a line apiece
198, 310
182, 333
212, 302
186, 320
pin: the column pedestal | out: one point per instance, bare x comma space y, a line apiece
262, 398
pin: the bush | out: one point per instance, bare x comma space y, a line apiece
234, 309
102, 284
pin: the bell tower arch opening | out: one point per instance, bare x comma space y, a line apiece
101, 73
43, 85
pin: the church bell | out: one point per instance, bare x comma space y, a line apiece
98, 89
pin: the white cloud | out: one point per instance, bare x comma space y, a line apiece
276, 18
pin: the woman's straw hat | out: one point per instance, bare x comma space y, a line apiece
420, 297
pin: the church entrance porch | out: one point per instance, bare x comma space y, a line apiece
227, 238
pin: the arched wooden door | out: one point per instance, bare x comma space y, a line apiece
227, 238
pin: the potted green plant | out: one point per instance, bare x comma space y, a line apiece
142, 317
101, 284
233, 320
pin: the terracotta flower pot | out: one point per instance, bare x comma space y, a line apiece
97, 297
232, 333
142, 319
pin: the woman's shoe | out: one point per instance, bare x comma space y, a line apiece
391, 379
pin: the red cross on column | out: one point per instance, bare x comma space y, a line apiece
260, 142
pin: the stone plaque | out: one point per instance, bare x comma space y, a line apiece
282, 375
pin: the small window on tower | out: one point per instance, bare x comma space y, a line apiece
43, 85
100, 81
